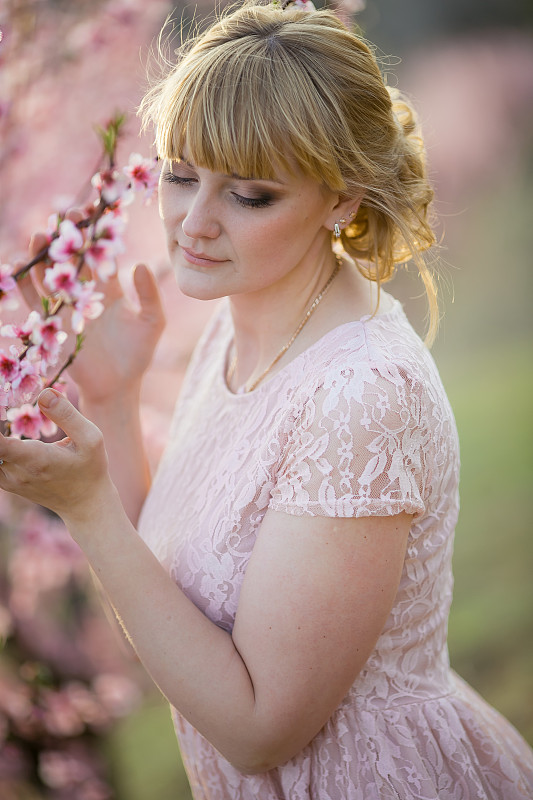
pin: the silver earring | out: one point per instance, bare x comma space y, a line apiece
336, 230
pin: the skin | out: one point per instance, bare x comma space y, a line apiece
314, 586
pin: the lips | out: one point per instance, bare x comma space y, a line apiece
200, 258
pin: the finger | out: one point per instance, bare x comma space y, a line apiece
14, 450
37, 243
148, 292
28, 290
32, 287
75, 215
111, 288
83, 433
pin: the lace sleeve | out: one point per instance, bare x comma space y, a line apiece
358, 446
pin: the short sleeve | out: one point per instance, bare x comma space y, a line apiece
357, 446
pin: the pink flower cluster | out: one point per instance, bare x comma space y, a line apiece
45, 559
63, 682
74, 250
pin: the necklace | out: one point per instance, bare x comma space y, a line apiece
303, 322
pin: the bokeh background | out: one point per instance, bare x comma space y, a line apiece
78, 721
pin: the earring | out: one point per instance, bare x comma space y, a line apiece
336, 230
342, 221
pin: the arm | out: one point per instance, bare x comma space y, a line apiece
314, 587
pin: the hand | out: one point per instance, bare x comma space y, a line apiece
119, 345
70, 476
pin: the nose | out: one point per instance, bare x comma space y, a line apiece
200, 220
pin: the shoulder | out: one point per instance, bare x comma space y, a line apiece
359, 425
382, 351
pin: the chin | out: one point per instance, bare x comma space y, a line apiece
198, 286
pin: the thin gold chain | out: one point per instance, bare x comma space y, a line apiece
304, 321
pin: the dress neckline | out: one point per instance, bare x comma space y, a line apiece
365, 319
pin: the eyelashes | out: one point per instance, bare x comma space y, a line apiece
170, 177
245, 202
252, 202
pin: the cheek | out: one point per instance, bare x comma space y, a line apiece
274, 233
162, 196
168, 204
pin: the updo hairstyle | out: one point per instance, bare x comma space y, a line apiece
265, 88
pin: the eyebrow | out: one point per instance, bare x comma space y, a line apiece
235, 175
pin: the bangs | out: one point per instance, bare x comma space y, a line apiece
243, 107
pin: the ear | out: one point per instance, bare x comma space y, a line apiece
343, 213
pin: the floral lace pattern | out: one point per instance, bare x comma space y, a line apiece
357, 425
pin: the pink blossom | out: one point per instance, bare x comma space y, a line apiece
27, 383
9, 367
48, 337
112, 186
45, 559
7, 282
29, 422
43, 336
87, 705
61, 770
62, 279
117, 693
100, 257
22, 332
49, 534
106, 244
52, 226
111, 227
60, 717
122, 11
8, 286
49, 332
15, 700
87, 305
142, 173
68, 243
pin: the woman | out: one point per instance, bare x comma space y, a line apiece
290, 586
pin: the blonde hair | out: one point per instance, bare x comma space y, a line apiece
265, 88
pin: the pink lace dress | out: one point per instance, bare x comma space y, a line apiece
359, 424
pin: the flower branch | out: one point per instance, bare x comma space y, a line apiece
74, 250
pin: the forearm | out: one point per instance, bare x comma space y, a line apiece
193, 661
119, 420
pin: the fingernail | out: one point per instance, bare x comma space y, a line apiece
49, 397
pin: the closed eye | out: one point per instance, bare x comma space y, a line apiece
170, 177
247, 202
252, 202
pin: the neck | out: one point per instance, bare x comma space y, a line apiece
265, 321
